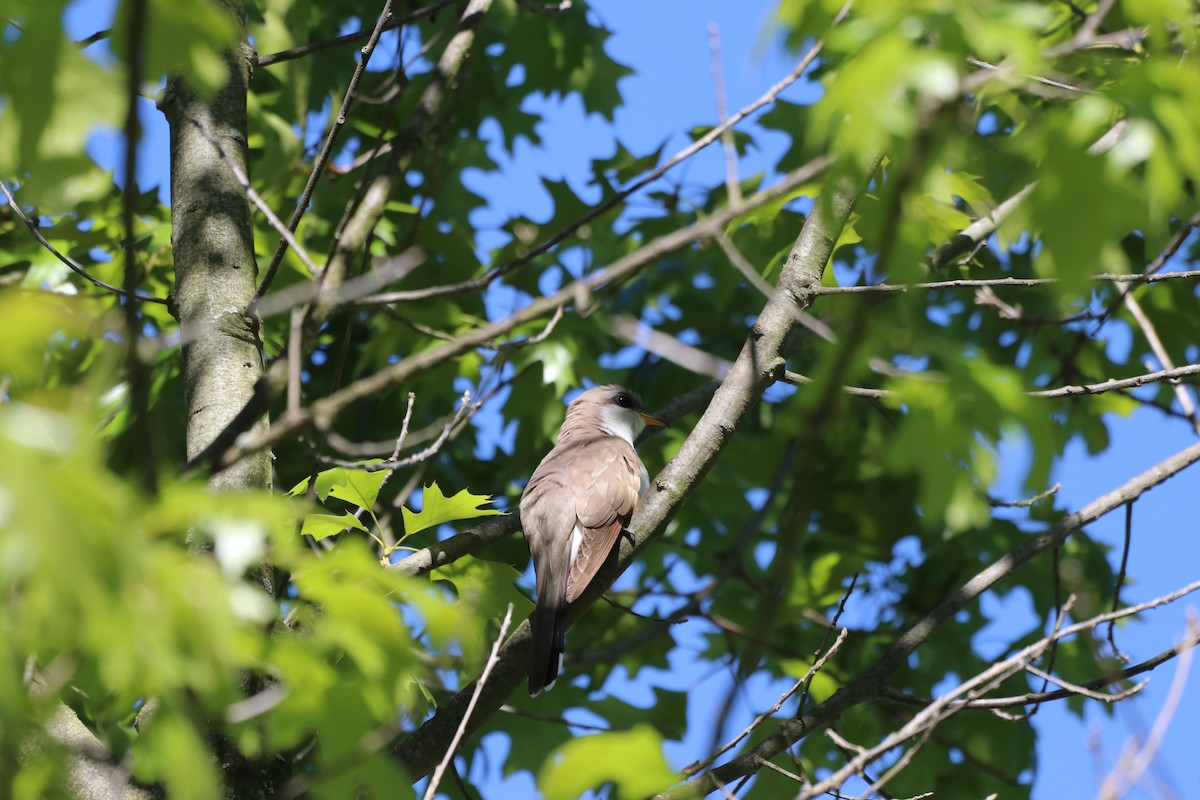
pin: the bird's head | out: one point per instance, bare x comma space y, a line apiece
612, 409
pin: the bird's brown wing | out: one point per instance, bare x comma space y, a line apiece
605, 476
548, 517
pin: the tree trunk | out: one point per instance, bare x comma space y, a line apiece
215, 270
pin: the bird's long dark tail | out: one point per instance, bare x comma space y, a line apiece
549, 622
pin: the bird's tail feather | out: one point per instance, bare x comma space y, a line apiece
549, 622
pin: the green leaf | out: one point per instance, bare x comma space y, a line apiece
357, 486
437, 508
632, 759
322, 526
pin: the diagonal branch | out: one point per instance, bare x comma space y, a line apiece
74, 267
232, 446
751, 373
322, 159
593, 214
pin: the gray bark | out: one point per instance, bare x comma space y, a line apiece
215, 270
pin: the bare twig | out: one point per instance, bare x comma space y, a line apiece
768, 291
1182, 395
78, 270
294, 354
1084, 692
1028, 502
667, 346
1134, 277
462, 728
512, 344
732, 184
704, 141
699, 766
1124, 659
1127, 773
357, 36
385, 15
465, 409
1120, 383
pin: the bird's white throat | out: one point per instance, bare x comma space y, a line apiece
621, 422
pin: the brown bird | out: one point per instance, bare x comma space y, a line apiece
574, 508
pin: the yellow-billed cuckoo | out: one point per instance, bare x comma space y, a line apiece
574, 508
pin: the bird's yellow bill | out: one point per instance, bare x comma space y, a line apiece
655, 421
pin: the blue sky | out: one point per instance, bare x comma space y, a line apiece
666, 42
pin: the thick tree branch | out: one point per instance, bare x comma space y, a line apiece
90, 774
751, 373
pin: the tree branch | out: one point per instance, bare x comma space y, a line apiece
872, 682
322, 159
76, 268
357, 36
752, 372
232, 445
704, 141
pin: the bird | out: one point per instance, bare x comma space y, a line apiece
574, 508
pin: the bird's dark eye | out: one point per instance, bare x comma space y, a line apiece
624, 400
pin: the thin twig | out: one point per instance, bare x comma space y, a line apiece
1126, 775
538, 339
78, 270
994, 703
357, 36
326, 150
768, 291
1028, 502
465, 409
1164, 358
412, 399
732, 185
1120, 383
1134, 277
599, 210
699, 766
462, 728
1124, 659
294, 355
1079, 690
